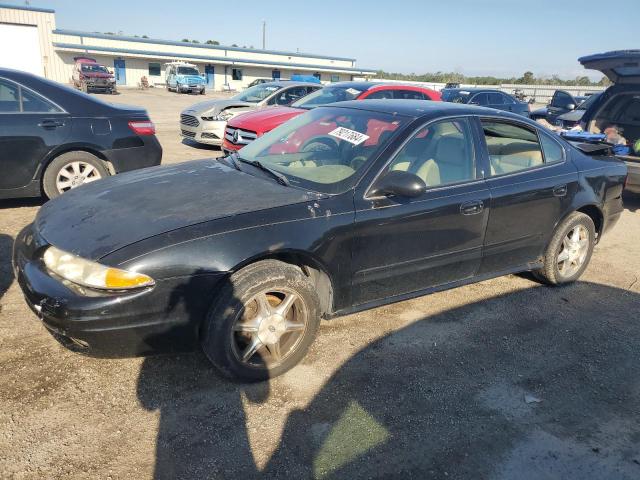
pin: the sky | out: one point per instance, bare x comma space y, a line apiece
503, 38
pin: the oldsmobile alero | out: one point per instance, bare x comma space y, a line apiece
344, 208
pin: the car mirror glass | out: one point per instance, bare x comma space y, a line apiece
571, 106
398, 183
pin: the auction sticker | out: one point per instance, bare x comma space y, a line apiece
350, 136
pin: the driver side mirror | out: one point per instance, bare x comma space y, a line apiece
398, 183
571, 106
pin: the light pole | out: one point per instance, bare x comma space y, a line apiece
264, 35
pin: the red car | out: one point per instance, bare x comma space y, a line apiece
245, 128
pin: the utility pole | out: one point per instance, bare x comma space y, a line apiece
264, 35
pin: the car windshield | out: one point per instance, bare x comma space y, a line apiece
326, 149
455, 96
257, 93
187, 71
327, 95
94, 68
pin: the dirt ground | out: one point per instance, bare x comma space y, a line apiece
504, 379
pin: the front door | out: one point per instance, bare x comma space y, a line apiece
209, 71
561, 103
30, 127
531, 183
407, 245
120, 72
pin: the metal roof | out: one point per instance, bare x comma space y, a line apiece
27, 7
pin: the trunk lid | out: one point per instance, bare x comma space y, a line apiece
621, 66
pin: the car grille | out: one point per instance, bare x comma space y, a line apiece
244, 136
189, 134
189, 120
209, 135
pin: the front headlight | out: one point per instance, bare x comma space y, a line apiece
92, 274
221, 117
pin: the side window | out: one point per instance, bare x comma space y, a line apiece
440, 153
9, 97
289, 95
33, 103
506, 99
408, 95
553, 152
511, 147
479, 99
495, 98
561, 99
380, 94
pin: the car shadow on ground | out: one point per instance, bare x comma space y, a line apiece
6, 272
22, 202
200, 146
537, 383
631, 201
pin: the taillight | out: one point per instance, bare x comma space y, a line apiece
144, 127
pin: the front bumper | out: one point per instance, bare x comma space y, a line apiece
166, 317
149, 154
633, 177
190, 88
210, 133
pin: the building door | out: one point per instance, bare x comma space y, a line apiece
275, 74
120, 71
209, 71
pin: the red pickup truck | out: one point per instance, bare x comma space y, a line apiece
245, 128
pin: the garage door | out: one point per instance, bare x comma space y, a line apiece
25, 53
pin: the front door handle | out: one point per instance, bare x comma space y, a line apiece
50, 123
560, 191
472, 208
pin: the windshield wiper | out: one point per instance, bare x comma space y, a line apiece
280, 178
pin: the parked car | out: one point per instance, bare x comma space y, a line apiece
243, 129
619, 106
572, 119
89, 76
54, 138
205, 122
486, 98
244, 255
184, 77
562, 102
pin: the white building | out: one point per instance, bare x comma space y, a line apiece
39, 47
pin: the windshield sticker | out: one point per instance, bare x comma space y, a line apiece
353, 91
350, 136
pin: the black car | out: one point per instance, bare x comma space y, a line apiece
486, 98
562, 103
617, 111
574, 117
344, 208
54, 138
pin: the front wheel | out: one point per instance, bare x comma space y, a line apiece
263, 321
570, 250
177, 87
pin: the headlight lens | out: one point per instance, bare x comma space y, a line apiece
221, 117
92, 274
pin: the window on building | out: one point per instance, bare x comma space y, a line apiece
155, 69
275, 74
236, 74
318, 75
335, 78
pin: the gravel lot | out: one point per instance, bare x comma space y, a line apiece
503, 379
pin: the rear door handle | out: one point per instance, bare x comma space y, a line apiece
472, 208
50, 123
560, 191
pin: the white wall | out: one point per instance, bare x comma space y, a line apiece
27, 57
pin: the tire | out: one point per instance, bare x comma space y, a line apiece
236, 322
177, 87
558, 272
69, 162
84, 88
202, 92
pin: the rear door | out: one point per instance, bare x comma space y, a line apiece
532, 182
30, 127
561, 103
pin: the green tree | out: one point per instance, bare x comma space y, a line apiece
186, 40
212, 42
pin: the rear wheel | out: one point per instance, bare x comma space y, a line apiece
570, 250
263, 322
70, 170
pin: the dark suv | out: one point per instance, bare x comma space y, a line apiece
617, 110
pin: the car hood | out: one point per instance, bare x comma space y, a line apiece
100, 218
265, 119
97, 75
572, 116
216, 106
621, 66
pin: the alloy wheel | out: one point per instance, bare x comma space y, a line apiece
573, 251
75, 174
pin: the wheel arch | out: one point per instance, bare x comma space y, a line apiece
312, 267
92, 149
594, 212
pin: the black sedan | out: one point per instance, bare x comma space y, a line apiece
344, 208
54, 138
485, 97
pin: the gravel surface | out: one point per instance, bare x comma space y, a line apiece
504, 379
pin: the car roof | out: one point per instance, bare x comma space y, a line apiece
290, 83
420, 108
474, 90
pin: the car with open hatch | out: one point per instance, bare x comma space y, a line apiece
245, 254
205, 122
54, 138
243, 129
